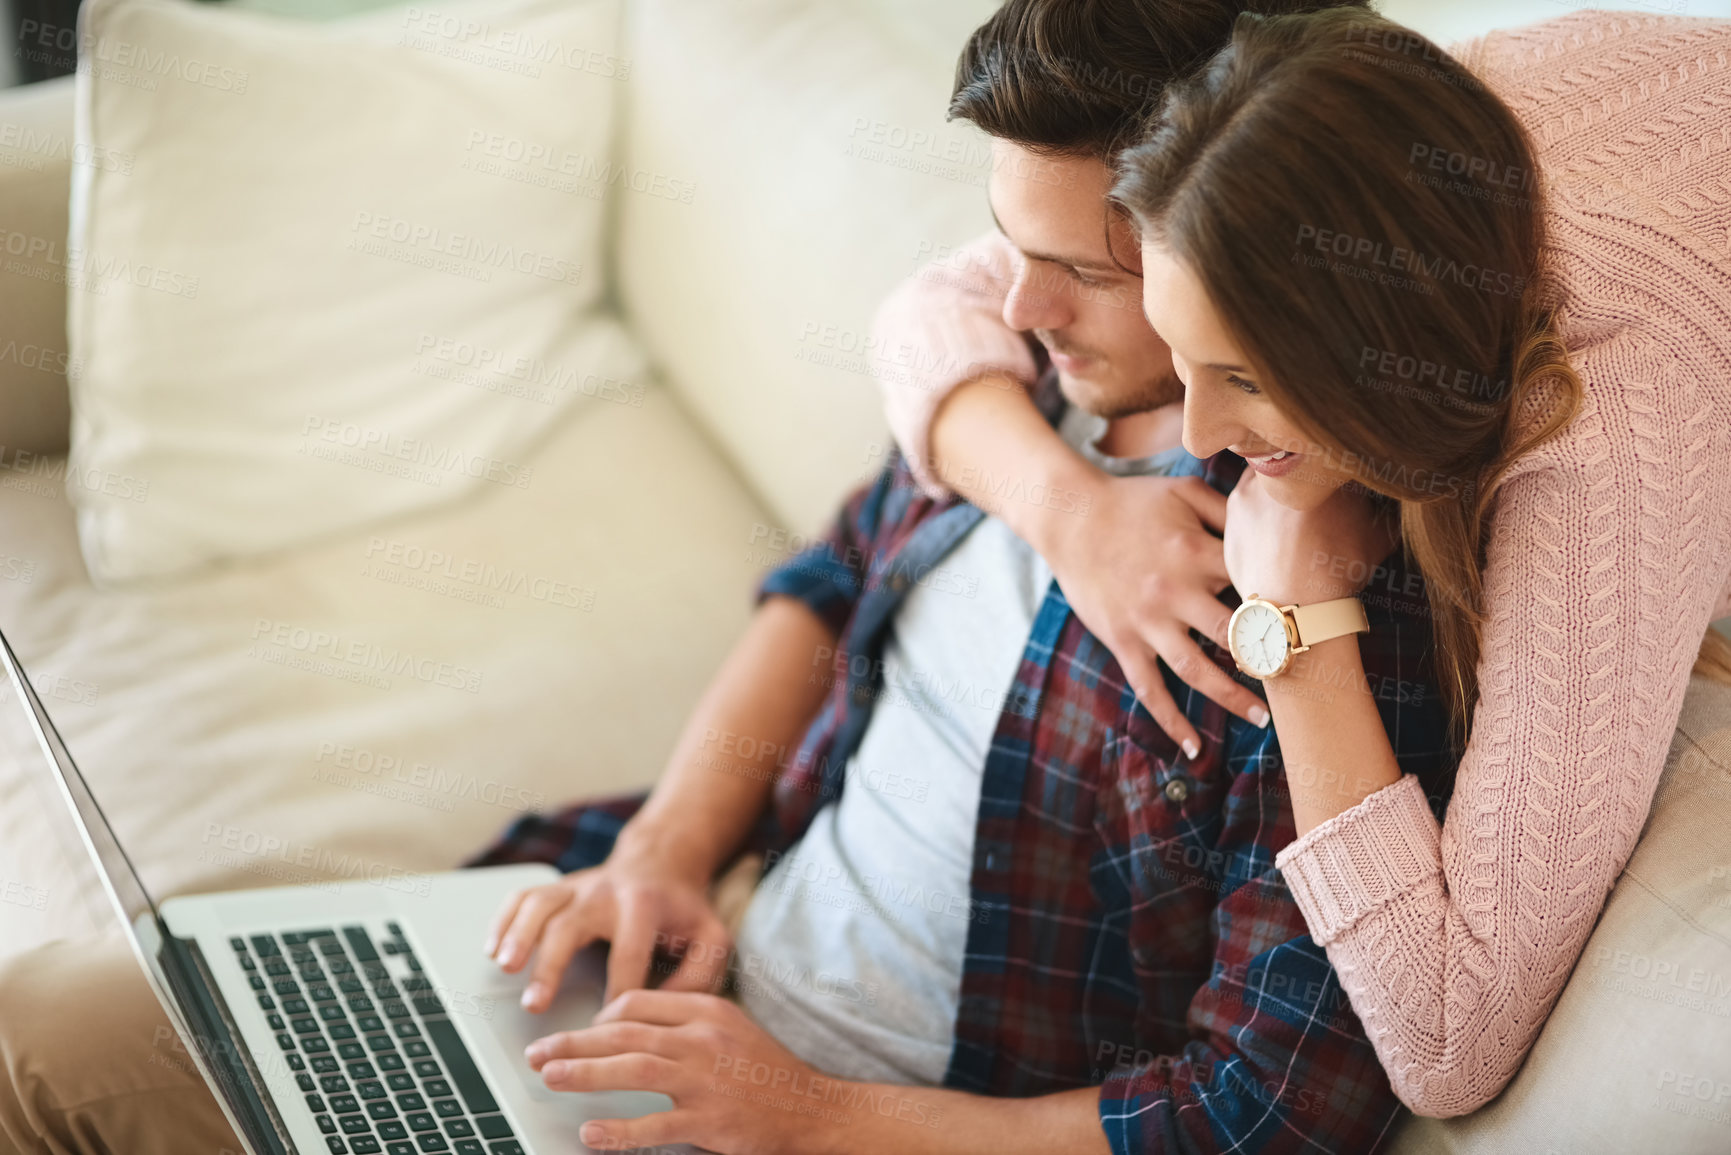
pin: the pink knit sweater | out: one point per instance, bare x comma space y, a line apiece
1609, 555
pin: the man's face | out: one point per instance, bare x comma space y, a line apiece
1069, 292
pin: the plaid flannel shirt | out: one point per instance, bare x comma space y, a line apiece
1129, 929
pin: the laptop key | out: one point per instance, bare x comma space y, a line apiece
369, 1024
265, 945
393, 1129
276, 968
432, 1141
382, 1110
447, 1108
511, 1147
294, 1006
275, 1021
344, 1105
326, 1124
330, 948
412, 1102
360, 1004
360, 943
341, 1031
295, 1062
305, 1025
407, 1030
246, 963
334, 1084
335, 1143
238, 944
315, 1104
399, 1149
389, 1062
287, 1042
320, 993
324, 1064
361, 1071
257, 983
416, 1049
401, 1082
355, 1125
459, 1128
281, 986
437, 1088
421, 1121
332, 1013
396, 1010
384, 1043
463, 1071
370, 1090
427, 1069
494, 1126
315, 1045
470, 1147
367, 1145
266, 1003
351, 1050
351, 986
304, 1082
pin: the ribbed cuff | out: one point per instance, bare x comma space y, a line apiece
1363, 858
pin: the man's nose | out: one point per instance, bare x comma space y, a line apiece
1036, 302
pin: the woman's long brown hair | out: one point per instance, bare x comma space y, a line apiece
1366, 218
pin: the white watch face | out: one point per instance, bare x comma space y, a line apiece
1259, 637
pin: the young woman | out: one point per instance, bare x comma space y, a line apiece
1480, 308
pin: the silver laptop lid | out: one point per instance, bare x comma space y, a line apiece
126, 890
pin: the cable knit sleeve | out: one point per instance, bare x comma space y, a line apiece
943, 326
1607, 553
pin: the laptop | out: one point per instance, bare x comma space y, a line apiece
355, 1018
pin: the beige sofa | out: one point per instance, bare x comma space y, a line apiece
223, 766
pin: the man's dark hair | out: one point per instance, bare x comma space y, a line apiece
1080, 77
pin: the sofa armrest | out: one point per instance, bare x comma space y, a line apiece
36, 148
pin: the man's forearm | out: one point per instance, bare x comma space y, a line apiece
871, 1118
990, 444
735, 743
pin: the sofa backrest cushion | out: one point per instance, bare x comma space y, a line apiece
791, 165
354, 270
36, 149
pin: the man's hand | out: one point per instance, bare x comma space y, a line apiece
630, 901
735, 1090
1142, 569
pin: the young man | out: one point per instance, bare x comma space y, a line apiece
1005, 912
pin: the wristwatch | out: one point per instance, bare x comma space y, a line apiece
1264, 637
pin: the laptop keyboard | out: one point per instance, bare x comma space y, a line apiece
381, 1067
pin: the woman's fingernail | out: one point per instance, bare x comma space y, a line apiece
1259, 716
1191, 748
492, 946
531, 996
593, 1135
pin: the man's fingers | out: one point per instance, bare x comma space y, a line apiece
1150, 688
1202, 675
705, 961
507, 912
633, 947
564, 935
598, 1042
633, 1072
537, 907
664, 1008
648, 1131
1208, 502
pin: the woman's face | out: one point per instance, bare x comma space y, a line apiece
1224, 405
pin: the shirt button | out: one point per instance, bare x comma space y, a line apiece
899, 582
1177, 790
862, 695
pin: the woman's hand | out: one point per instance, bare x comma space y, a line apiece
735, 1090
631, 901
1300, 556
1141, 569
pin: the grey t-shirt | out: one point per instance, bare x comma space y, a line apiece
851, 950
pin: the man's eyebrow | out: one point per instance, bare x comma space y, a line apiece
1051, 258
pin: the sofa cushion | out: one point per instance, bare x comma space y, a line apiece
351, 270
1635, 1056
384, 700
793, 165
